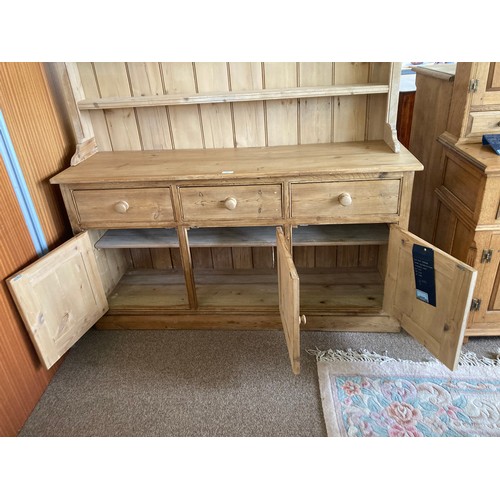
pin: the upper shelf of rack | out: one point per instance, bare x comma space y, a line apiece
232, 96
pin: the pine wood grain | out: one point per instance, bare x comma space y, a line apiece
281, 116
153, 125
185, 121
253, 163
315, 113
216, 119
222, 95
89, 87
248, 117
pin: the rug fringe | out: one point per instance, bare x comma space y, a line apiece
466, 358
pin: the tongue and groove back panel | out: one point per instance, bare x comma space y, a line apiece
248, 123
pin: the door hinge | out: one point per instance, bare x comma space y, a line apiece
486, 256
475, 305
473, 85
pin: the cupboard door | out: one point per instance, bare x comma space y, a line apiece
59, 297
488, 91
440, 328
488, 288
289, 300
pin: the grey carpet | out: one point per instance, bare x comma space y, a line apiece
199, 383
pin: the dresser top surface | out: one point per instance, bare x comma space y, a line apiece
239, 163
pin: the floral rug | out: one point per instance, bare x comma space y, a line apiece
366, 394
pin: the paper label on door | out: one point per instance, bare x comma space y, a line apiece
423, 266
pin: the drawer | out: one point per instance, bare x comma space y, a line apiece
123, 207
241, 203
484, 122
316, 200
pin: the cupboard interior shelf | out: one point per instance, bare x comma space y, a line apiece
233, 96
342, 234
339, 291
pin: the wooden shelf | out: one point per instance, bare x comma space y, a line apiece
233, 290
139, 238
149, 290
232, 96
232, 237
343, 234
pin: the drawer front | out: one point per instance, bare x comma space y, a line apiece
345, 199
484, 122
124, 207
243, 203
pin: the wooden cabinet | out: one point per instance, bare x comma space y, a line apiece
430, 117
458, 193
379, 297
475, 107
468, 223
309, 235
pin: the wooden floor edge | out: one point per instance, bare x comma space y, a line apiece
366, 323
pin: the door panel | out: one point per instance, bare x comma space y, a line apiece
60, 297
488, 288
289, 301
440, 328
488, 91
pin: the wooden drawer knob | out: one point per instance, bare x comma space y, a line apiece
121, 207
302, 319
230, 203
345, 199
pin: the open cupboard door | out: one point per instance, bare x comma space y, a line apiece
289, 299
59, 297
438, 327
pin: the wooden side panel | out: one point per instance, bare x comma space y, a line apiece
379, 72
64, 80
430, 116
111, 263
289, 300
445, 228
440, 328
43, 147
460, 100
60, 297
90, 89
